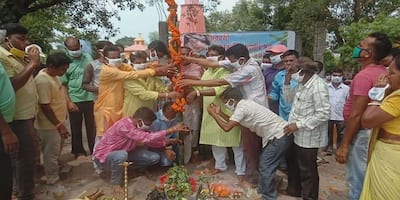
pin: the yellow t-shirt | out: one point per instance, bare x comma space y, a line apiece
50, 92
26, 96
391, 105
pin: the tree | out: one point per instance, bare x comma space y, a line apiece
355, 32
125, 41
153, 36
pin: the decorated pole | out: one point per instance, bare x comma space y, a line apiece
174, 46
126, 165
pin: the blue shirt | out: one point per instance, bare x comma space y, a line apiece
162, 123
277, 94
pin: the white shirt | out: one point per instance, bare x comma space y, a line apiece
337, 98
310, 111
259, 119
249, 79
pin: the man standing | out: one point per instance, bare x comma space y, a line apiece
338, 93
52, 113
80, 103
276, 93
8, 140
275, 53
369, 53
308, 122
90, 80
19, 67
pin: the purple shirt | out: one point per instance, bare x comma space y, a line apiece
269, 76
124, 135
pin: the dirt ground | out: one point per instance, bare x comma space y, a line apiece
81, 179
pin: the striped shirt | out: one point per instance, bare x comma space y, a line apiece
310, 111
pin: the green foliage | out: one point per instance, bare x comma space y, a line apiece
355, 32
125, 41
330, 62
177, 185
153, 36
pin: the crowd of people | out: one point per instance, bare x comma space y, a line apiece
279, 113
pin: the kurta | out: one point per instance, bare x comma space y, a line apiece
141, 92
210, 132
108, 106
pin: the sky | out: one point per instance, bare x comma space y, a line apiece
134, 21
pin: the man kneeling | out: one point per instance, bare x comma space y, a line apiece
120, 141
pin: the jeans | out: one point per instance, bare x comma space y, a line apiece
251, 149
140, 157
270, 159
340, 131
164, 161
76, 119
6, 180
51, 146
23, 162
220, 153
357, 163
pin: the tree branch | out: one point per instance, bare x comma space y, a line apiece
46, 5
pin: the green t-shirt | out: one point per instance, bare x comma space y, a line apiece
73, 78
7, 96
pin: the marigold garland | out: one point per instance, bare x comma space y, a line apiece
174, 48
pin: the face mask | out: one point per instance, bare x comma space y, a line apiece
265, 66
114, 62
296, 77
229, 106
337, 79
155, 57
138, 67
75, 54
357, 52
16, 52
377, 93
236, 64
213, 58
142, 126
276, 59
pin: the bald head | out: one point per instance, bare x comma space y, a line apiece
72, 43
307, 64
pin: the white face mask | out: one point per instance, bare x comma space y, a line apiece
236, 64
377, 93
337, 79
230, 104
75, 54
114, 62
213, 58
142, 126
138, 67
296, 77
155, 57
276, 59
265, 66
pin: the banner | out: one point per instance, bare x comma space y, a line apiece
256, 42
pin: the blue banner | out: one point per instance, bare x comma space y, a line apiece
256, 42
